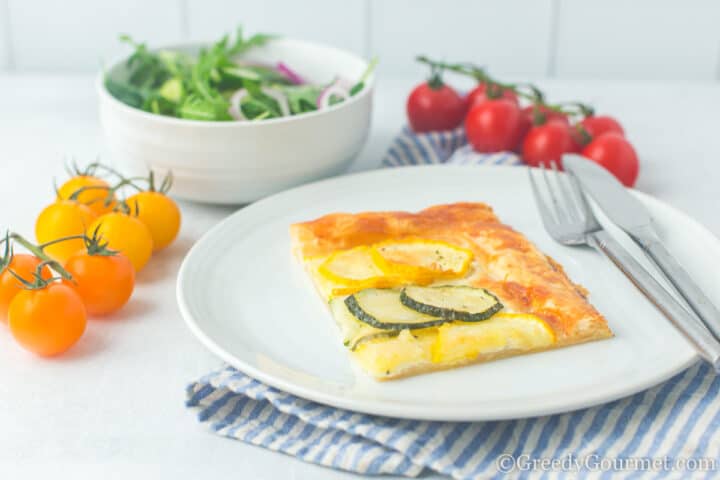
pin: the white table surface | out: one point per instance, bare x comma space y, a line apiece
114, 404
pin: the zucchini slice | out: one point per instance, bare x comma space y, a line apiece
355, 332
452, 302
381, 308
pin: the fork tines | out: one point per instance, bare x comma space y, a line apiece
569, 214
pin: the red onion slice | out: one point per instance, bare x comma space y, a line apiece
323, 100
289, 73
234, 110
344, 83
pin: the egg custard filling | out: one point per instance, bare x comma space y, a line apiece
448, 286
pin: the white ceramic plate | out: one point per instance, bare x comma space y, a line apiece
246, 298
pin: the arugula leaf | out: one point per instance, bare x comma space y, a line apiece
214, 65
256, 103
301, 98
177, 64
125, 92
363, 78
197, 108
241, 45
160, 106
145, 68
268, 75
254, 109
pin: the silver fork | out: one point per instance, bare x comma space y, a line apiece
570, 221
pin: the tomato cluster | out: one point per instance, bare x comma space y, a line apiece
494, 120
90, 245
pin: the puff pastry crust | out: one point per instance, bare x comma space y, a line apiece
505, 262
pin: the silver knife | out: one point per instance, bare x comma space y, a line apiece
629, 214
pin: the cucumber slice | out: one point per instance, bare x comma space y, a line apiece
355, 332
452, 302
381, 308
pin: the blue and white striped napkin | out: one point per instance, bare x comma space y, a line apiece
672, 430
678, 421
410, 148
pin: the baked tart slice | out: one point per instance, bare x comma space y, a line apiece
445, 287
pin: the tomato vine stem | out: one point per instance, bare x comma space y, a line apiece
524, 90
7, 255
38, 251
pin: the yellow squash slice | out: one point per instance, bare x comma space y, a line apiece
423, 261
459, 342
394, 263
354, 269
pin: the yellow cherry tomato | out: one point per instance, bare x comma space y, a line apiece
159, 213
62, 219
125, 234
49, 320
94, 196
104, 282
23, 265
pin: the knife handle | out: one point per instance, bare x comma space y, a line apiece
705, 344
685, 286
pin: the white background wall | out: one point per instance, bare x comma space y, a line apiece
662, 40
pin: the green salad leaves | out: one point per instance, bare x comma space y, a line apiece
216, 84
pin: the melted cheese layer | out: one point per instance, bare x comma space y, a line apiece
454, 344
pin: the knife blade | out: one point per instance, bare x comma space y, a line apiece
627, 212
621, 207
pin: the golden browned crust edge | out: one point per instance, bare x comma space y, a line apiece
337, 231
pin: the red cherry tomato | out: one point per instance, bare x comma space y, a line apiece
523, 129
434, 107
546, 143
597, 125
616, 154
478, 95
493, 126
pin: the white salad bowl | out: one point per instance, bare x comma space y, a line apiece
237, 162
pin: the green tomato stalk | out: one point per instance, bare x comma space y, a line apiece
495, 88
